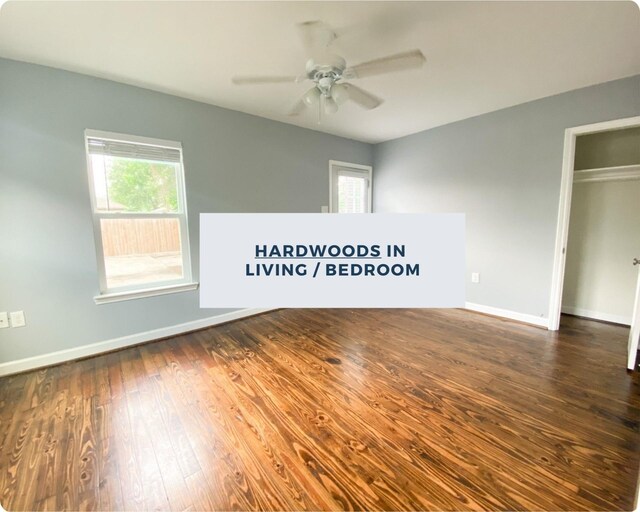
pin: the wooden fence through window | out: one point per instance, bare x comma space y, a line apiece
125, 237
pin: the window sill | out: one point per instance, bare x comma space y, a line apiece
106, 298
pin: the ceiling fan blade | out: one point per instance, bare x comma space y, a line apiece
316, 36
390, 64
254, 80
363, 98
297, 109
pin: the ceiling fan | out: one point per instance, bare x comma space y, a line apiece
328, 73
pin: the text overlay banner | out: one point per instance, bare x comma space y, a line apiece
298, 260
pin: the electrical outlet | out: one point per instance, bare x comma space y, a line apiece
324, 209
17, 319
4, 320
475, 277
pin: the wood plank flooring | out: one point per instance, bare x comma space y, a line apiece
332, 410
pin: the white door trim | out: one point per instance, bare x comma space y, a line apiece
634, 334
564, 207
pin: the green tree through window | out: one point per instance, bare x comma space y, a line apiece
143, 186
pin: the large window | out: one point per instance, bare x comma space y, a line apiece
350, 187
140, 215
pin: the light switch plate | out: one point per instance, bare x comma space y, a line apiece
4, 320
475, 277
17, 319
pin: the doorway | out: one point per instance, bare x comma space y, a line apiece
598, 237
350, 187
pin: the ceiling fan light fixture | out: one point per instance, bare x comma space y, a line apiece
330, 106
339, 93
312, 96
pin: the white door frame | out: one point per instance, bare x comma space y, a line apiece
632, 347
356, 167
564, 208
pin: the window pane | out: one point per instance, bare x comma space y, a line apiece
352, 194
140, 251
132, 185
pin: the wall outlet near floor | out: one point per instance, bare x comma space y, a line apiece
475, 277
17, 319
4, 320
324, 209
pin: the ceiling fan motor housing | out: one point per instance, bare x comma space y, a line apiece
330, 67
329, 64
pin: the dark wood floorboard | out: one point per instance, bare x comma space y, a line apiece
332, 410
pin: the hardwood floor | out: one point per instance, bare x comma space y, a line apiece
332, 409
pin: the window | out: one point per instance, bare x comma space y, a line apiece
350, 188
139, 215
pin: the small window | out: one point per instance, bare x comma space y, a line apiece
350, 188
139, 213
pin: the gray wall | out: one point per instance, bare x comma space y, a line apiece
503, 170
233, 163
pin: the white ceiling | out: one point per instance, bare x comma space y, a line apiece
481, 56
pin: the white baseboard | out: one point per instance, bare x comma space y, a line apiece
506, 313
597, 315
61, 356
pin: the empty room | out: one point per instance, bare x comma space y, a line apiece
367, 255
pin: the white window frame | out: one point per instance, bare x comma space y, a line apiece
145, 289
335, 168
